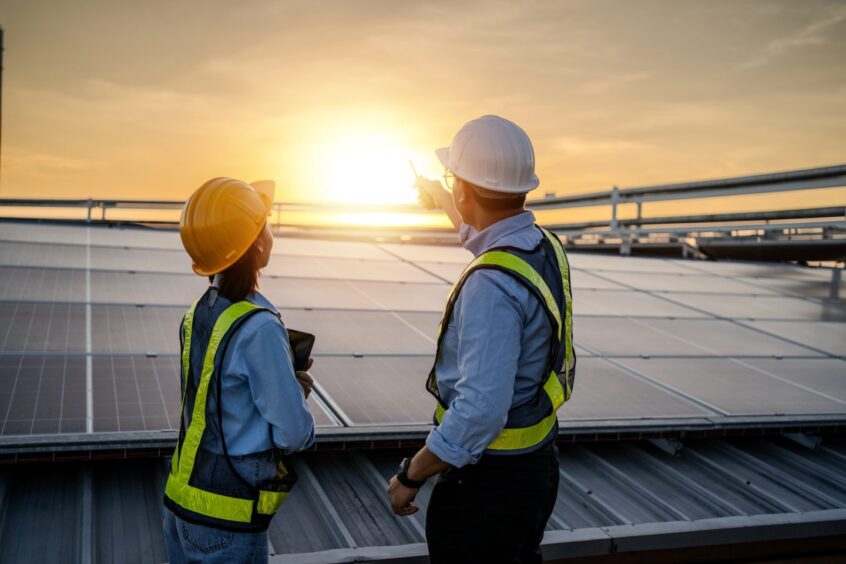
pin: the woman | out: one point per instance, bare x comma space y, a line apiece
243, 404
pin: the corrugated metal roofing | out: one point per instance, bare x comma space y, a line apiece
111, 510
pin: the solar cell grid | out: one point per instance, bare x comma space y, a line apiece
122, 329
139, 393
135, 393
42, 394
378, 390
41, 284
42, 327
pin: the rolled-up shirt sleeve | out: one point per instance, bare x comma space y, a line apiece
275, 391
489, 322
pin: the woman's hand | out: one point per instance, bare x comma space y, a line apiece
304, 379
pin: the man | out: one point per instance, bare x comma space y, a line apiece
504, 360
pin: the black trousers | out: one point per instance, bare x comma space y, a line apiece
493, 511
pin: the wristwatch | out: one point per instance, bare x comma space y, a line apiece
402, 476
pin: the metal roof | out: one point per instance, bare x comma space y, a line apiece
613, 498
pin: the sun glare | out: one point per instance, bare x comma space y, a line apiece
366, 171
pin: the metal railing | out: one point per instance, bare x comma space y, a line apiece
817, 234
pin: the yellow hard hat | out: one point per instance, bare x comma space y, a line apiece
221, 219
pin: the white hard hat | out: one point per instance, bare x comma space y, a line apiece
494, 153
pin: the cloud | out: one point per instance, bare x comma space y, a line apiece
810, 35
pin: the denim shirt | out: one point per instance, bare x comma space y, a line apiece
494, 350
265, 405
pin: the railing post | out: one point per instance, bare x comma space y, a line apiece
615, 197
90, 205
834, 287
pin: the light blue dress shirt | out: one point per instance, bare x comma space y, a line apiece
265, 405
494, 350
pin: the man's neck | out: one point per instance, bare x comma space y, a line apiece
485, 219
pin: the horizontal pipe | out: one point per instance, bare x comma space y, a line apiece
822, 177
808, 213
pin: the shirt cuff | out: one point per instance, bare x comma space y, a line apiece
448, 452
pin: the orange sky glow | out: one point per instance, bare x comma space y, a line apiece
332, 99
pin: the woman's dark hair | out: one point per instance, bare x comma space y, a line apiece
241, 278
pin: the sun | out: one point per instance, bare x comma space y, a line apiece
366, 170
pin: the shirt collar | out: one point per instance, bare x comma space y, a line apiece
477, 242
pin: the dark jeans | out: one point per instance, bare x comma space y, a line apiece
493, 511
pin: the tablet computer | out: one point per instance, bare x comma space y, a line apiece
301, 345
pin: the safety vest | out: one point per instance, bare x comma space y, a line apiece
204, 486
545, 271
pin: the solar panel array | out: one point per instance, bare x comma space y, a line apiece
89, 320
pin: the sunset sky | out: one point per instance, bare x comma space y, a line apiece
111, 98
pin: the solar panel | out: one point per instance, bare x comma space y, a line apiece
141, 260
42, 327
348, 269
144, 288
429, 253
41, 284
589, 261
822, 335
804, 286
42, 394
138, 393
425, 322
449, 271
35, 254
378, 389
628, 303
685, 283
367, 332
825, 375
135, 393
668, 337
405, 297
132, 329
762, 307
41, 233
735, 387
298, 293
135, 238
604, 391
305, 247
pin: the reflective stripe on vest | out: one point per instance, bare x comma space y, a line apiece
182, 465
520, 438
